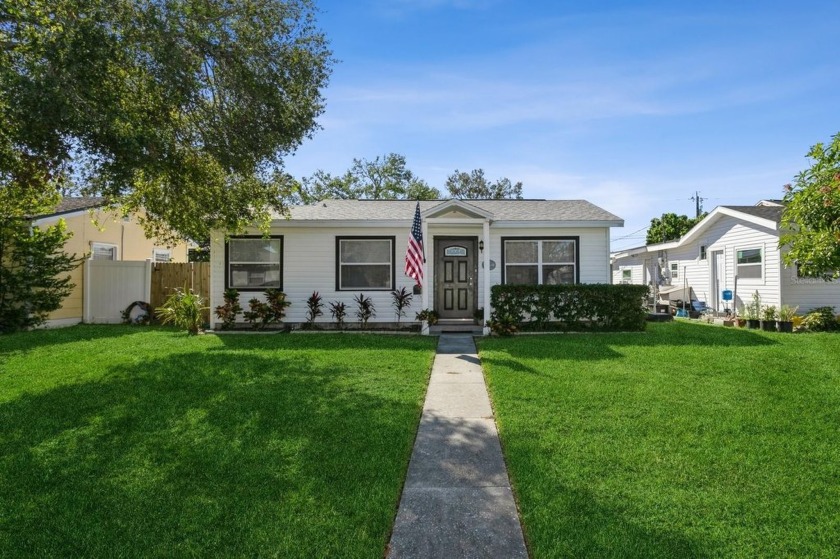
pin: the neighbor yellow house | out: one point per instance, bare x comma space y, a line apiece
101, 234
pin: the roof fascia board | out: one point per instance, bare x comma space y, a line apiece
69, 213
565, 224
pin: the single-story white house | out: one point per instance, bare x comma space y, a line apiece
341, 248
734, 248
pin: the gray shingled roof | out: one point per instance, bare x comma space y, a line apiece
773, 213
75, 203
501, 210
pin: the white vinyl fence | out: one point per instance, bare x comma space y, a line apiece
111, 286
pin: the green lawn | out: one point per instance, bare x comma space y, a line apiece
685, 441
127, 441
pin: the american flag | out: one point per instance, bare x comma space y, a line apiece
414, 255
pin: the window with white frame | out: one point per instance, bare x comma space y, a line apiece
364, 263
702, 252
540, 261
161, 255
749, 263
103, 251
675, 270
254, 263
626, 276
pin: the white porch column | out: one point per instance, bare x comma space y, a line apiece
486, 265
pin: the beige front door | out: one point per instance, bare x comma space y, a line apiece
455, 277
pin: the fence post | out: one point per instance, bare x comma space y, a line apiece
86, 280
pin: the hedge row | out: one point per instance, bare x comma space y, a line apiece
603, 307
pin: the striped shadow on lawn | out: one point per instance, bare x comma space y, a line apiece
127, 441
685, 441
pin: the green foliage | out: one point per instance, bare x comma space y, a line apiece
811, 218
33, 270
183, 309
429, 316
768, 313
401, 301
821, 319
262, 313
230, 309
786, 313
752, 310
314, 307
384, 178
184, 109
567, 307
365, 309
258, 314
475, 186
670, 227
338, 310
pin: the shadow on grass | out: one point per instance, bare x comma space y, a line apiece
578, 525
206, 453
599, 346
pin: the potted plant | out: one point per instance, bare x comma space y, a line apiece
428, 315
768, 318
752, 312
784, 318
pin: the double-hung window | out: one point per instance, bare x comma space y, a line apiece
675, 270
103, 251
254, 263
364, 263
749, 263
549, 261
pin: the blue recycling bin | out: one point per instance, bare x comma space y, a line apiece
726, 295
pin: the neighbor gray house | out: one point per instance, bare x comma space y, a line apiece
341, 248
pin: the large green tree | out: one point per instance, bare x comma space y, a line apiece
383, 178
475, 186
811, 218
185, 108
670, 227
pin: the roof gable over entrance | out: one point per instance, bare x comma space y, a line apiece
456, 209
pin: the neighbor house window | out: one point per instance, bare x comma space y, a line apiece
675, 270
103, 251
702, 252
749, 263
254, 263
161, 255
540, 261
626, 276
364, 263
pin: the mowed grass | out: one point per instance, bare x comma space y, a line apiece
128, 442
684, 441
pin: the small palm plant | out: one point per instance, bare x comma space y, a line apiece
184, 309
365, 309
402, 300
338, 310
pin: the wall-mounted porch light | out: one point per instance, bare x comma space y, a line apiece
481, 246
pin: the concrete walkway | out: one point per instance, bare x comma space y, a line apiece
457, 500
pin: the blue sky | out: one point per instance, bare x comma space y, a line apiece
631, 105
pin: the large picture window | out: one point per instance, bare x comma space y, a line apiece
254, 263
364, 263
540, 261
749, 263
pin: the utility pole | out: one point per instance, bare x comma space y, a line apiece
698, 204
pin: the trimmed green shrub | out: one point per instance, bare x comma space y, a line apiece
602, 307
821, 319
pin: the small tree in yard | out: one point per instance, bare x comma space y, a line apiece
33, 272
811, 218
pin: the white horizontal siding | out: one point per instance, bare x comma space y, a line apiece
808, 293
309, 264
636, 266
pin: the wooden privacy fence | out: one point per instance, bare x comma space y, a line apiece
166, 276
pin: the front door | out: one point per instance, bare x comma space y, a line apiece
455, 277
717, 277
